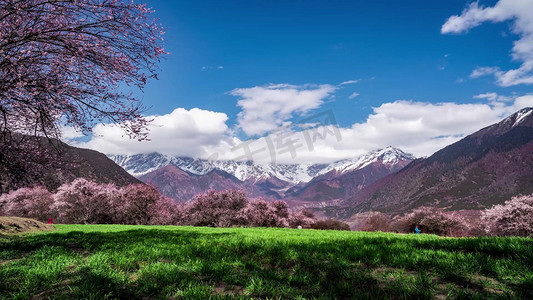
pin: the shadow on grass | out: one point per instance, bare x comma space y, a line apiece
198, 264
89, 242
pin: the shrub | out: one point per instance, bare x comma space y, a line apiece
514, 218
35, 203
304, 218
429, 220
330, 224
377, 222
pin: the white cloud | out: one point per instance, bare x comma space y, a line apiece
519, 11
265, 108
420, 128
417, 127
70, 133
523, 101
423, 128
353, 95
195, 132
204, 68
493, 97
482, 71
349, 82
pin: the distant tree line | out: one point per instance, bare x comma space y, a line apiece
86, 202
513, 218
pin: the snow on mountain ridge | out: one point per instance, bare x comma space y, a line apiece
518, 117
140, 164
522, 115
388, 155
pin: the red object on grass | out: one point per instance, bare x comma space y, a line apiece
50, 221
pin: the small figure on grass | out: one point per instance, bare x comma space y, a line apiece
50, 221
417, 231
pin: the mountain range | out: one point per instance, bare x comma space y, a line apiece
482, 169
183, 177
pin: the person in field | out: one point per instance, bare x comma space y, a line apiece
417, 231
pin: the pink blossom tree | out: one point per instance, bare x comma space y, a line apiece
86, 202
35, 203
69, 62
63, 61
281, 209
514, 218
217, 208
376, 222
261, 213
137, 204
166, 212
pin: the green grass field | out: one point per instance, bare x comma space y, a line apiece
161, 262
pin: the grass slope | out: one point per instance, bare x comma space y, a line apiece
162, 262
16, 225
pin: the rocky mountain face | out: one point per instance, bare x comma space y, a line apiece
483, 169
181, 177
181, 185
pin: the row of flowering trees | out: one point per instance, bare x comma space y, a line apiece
87, 202
513, 218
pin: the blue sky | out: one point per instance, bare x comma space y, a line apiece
232, 61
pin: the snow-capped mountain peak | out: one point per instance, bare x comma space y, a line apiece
140, 164
388, 156
518, 117
522, 115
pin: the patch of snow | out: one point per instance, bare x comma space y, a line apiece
521, 115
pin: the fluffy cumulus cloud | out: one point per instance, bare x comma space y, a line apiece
195, 132
420, 128
520, 12
265, 108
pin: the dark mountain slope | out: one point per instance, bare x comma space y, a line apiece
60, 163
482, 169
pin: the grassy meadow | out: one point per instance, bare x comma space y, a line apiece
162, 262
